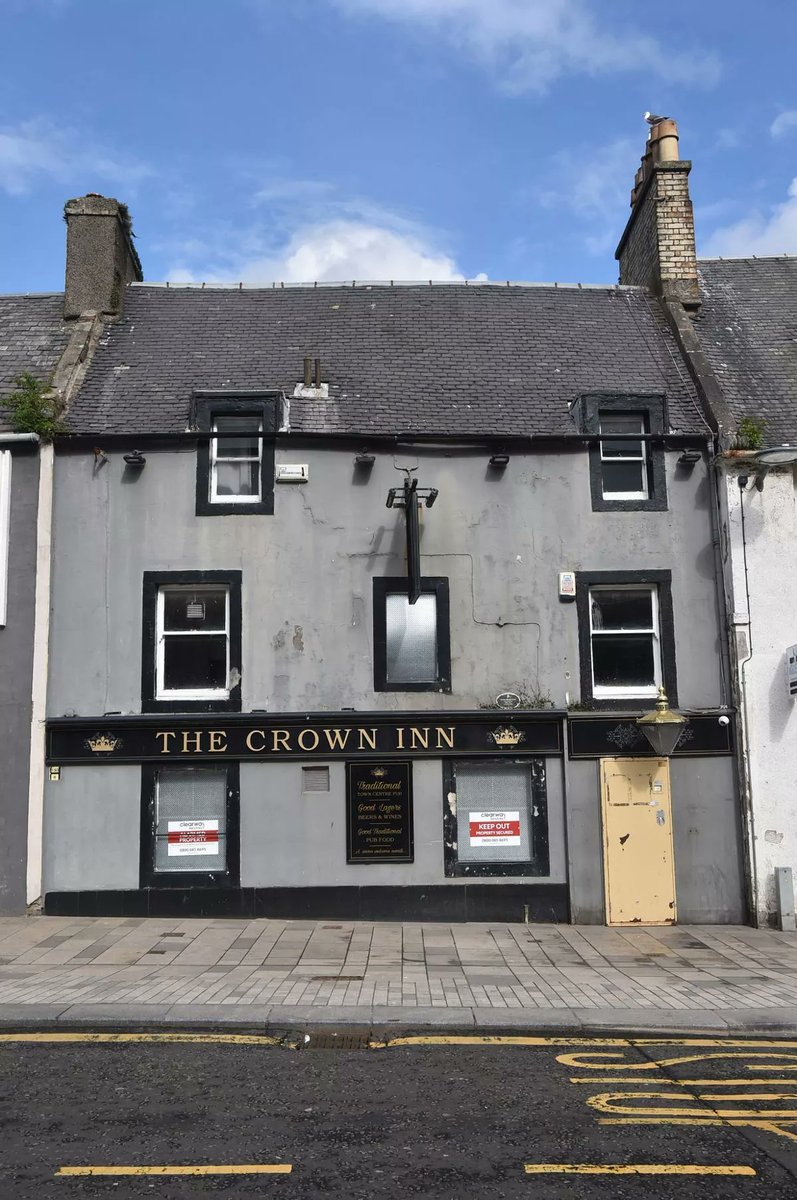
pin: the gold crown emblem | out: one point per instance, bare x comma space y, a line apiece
507, 735
103, 743
379, 772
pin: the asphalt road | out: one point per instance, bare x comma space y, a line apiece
455, 1121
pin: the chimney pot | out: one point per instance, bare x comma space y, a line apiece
664, 141
100, 256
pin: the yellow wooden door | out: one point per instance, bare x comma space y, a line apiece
638, 865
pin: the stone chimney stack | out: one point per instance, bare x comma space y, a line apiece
657, 249
100, 255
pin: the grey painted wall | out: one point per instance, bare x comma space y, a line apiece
16, 665
307, 642
92, 829
288, 838
307, 572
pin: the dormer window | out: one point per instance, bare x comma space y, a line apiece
624, 461
626, 450
235, 458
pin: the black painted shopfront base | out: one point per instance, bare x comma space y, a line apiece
465, 902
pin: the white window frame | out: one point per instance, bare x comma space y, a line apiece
164, 693
5, 531
215, 458
607, 691
642, 458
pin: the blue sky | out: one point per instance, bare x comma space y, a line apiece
334, 139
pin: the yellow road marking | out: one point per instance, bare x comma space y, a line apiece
232, 1039
632, 1169
776, 1127
607, 1102
519, 1040
599, 1081
237, 1169
580, 1061
495, 1040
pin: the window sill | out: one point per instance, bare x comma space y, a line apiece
230, 704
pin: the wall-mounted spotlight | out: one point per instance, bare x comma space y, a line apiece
689, 458
499, 461
136, 460
364, 460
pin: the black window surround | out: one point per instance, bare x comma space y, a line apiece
148, 876
662, 581
153, 582
434, 585
263, 408
652, 408
538, 864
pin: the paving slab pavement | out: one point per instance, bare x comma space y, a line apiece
119, 972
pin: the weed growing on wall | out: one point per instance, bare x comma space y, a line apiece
750, 434
34, 408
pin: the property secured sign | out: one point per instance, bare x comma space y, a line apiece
495, 828
192, 837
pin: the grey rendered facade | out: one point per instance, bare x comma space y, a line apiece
307, 579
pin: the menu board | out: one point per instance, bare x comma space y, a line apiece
379, 812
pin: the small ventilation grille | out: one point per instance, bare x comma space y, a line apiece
315, 779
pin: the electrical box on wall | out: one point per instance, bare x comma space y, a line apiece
791, 666
567, 585
292, 473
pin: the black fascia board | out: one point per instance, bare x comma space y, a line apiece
492, 442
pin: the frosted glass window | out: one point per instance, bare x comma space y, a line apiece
191, 819
411, 638
494, 812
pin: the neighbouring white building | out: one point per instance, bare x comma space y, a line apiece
747, 329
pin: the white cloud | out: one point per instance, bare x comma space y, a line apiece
770, 232
596, 188
38, 149
785, 122
527, 44
331, 252
306, 230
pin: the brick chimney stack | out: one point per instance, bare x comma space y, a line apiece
657, 249
100, 255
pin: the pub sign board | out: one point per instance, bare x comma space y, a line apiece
379, 812
703, 736
277, 736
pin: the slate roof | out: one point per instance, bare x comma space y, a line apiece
33, 335
748, 329
434, 359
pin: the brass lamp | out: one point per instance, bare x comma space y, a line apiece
662, 727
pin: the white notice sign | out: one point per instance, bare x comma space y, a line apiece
193, 837
494, 828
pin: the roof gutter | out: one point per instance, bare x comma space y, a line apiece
11, 438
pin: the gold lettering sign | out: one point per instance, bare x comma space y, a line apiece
309, 740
